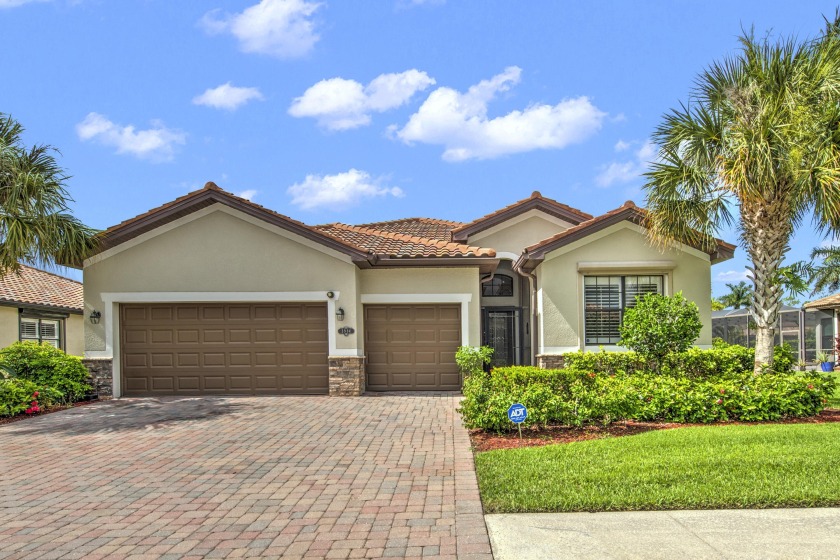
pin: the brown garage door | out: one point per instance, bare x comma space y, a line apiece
412, 347
224, 348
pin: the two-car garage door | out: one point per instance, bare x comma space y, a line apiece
224, 348
280, 348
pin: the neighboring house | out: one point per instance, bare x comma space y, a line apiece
213, 294
42, 307
828, 309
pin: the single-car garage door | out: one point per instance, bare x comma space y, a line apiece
224, 348
412, 347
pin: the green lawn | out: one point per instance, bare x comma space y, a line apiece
759, 466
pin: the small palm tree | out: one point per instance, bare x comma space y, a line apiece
759, 135
740, 295
35, 224
826, 276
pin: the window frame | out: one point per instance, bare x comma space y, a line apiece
503, 278
623, 304
26, 315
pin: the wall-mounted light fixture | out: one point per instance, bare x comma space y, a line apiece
330, 295
339, 313
95, 316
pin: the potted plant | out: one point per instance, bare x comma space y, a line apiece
825, 361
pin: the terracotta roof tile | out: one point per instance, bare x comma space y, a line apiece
430, 228
390, 244
38, 287
828, 302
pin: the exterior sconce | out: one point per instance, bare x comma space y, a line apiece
95, 316
330, 295
339, 314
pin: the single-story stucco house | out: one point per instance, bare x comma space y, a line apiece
43, 307
213, 294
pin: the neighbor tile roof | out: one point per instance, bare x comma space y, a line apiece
430, 228
828, 302
36, 287
390, 244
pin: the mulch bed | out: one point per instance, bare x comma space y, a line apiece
532, 437
56, 408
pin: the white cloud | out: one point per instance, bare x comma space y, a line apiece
280, 28
247, 194
626, 171
228, 97
16, 3
459, 122
732, 276
340, 104
335, 191
156, 143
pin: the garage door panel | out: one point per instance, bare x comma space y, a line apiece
265, 348
412, 347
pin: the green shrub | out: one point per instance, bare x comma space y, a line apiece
48, 368
472, 360
783, 358
575, 397
18, 395
660, 325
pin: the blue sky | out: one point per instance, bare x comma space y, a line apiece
364, 111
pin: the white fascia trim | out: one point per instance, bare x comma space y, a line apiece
506, 255
560, 349
463, 299
198, 214
617, 227
112, 300
595, 266
564, 225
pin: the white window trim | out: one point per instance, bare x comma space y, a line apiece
463, 299
111, 312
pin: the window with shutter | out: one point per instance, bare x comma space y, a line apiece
604, 300
29, 329
47, 331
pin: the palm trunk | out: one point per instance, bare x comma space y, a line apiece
767, 230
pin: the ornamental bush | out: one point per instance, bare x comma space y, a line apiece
472, 360
48, 368
660, 325
576, 397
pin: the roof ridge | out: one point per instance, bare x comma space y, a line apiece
50, 273
415, 219
400, 236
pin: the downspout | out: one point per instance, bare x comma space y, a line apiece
517, 267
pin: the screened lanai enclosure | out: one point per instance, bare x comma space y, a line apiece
806, 331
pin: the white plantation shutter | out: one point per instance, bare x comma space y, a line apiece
639, 286
604, 300
29, 329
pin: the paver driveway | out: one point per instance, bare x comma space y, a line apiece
242, 477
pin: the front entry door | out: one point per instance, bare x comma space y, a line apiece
499, 333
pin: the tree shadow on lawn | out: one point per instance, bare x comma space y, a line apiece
129, 414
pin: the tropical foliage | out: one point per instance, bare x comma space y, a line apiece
36, 226
660, 325
740, 295
759, 135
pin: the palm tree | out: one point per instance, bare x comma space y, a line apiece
759, 135
740, 295
826, 276
35, 224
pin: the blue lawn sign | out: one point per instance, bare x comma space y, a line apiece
517, 413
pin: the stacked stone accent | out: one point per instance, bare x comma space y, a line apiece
550, 361
101, 373
347, 376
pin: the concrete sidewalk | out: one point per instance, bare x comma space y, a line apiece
769, 533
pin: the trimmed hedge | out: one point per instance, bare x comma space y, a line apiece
39, 368
576, 397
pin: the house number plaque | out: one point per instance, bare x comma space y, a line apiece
346, 331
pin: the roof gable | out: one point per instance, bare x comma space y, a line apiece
535, 202
535, 254
205, 197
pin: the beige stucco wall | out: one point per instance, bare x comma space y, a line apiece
75, 341
560, 281
221, 251
9, 326
514, 237
428, 281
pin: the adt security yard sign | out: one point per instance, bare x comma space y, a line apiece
517, 413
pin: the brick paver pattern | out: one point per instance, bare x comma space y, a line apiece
270, 477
